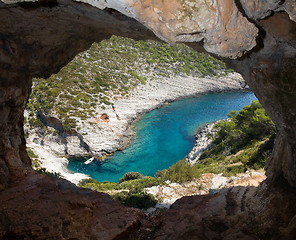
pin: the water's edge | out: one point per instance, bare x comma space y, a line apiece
130, 131
110, 166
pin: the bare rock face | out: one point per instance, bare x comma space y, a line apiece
259, 9
37, 38
272, 78
290, 8
39, 207
14, 161
217, 23
230, 214
207, 217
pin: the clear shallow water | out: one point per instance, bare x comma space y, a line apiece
164, 136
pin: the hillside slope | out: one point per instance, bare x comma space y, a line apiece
111, 69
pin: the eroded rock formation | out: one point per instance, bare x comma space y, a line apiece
68, 212
37, 38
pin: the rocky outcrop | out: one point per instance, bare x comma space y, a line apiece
169, 192
57, 209
230, 214
218, 23
14, 160
37, 38
273, 80
202, 143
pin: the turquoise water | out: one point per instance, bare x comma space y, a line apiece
164, 136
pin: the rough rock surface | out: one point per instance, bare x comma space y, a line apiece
207, 183
259, 9
232, 213
272, 78
68, 212
229, 214
203, 142
38, 38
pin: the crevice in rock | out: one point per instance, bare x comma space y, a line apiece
242, 208
63, 132
40, 3
261, 32
230, 203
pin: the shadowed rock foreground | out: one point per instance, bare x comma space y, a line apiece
56, 209
38, 38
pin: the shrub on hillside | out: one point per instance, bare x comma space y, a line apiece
136, 199
130, 176
132, 194
140, 183
246, 138
180, 172
96, 185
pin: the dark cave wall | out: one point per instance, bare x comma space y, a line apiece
14, 161
271, 74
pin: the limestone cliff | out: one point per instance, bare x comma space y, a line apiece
37, 38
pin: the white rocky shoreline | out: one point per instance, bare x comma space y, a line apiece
102, 137
202, 143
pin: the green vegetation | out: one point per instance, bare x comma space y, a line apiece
250, 130
243, 142
131, 194
108, 69
34, 159
137, 199
49, 174
135, 185
130, 176
180, 172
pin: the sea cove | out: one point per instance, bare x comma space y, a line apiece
164, 136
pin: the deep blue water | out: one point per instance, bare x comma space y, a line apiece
164, 136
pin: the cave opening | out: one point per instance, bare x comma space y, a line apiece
60, 106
